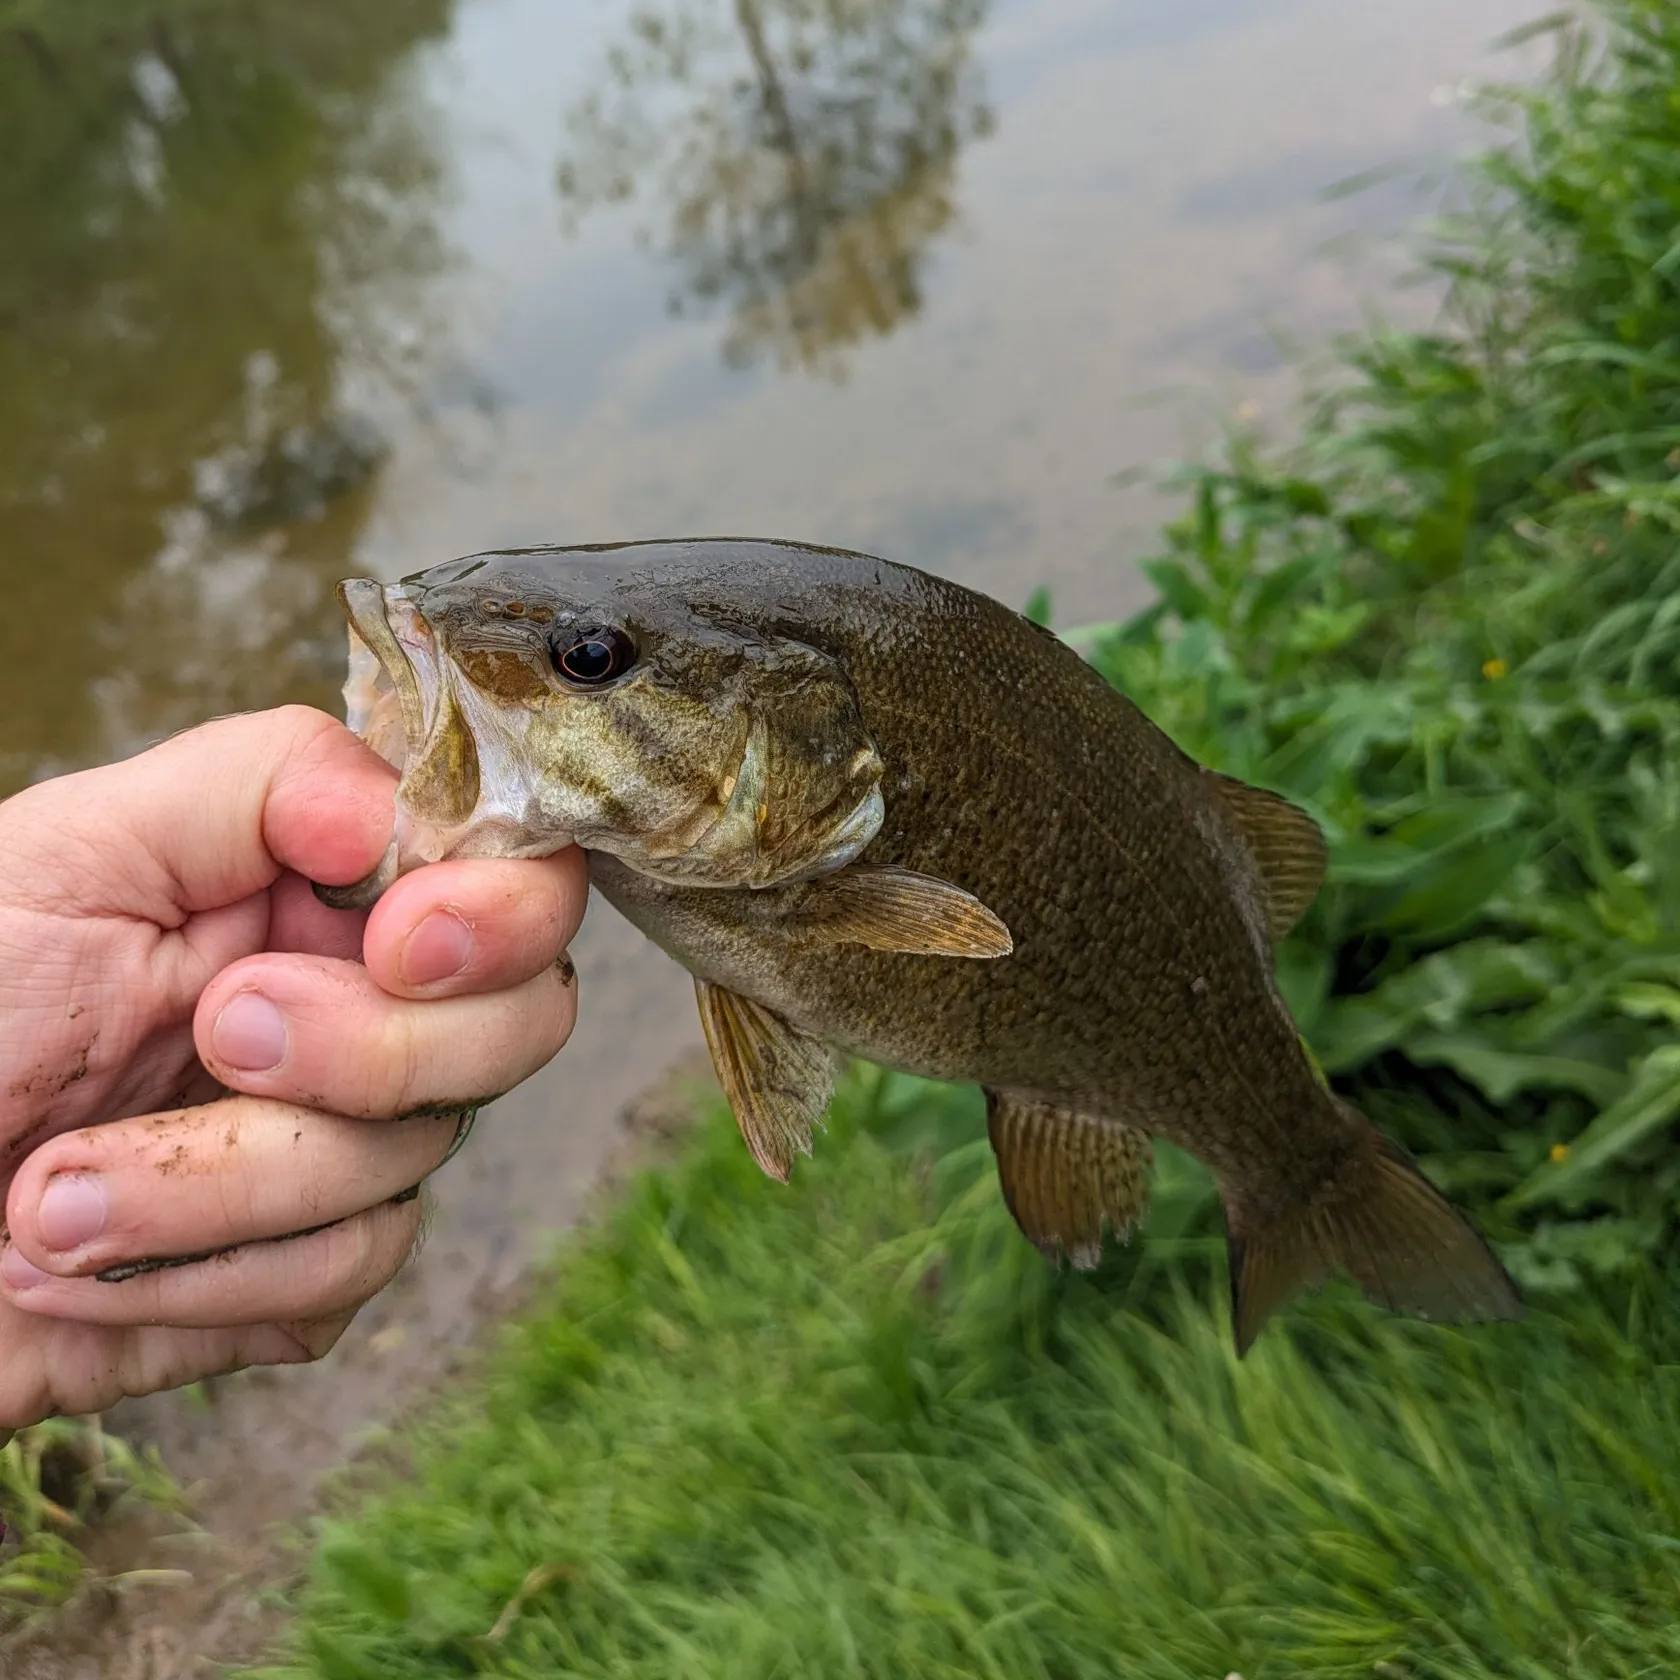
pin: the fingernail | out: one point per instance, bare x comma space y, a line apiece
250, 1034
18, 1273
72, 1211
437, 950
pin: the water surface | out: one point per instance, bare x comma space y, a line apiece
287, 293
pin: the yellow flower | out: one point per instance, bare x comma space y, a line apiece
1560, 1152
1494, 669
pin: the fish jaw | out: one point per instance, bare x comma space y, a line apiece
724, 759
466, 788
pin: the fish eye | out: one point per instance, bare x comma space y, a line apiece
592, 655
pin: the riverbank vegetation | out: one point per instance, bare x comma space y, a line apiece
57, 1481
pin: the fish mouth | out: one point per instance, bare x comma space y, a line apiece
465, 789
385, 692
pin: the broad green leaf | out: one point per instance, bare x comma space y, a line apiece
1444, 824
1304, 973
1277, 586
1442, 899
1649, 1002
1350, 1031
1500, 1074
1186, 597
1652, 1102
1370, 860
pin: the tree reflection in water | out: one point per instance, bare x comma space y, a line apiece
805, 151
210, 210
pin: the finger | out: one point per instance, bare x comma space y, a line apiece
207, 1178
212, 816
299, 921
476, 926
321, 1275
65, 1369
323, 1034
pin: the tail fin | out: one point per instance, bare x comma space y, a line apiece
1403, 1243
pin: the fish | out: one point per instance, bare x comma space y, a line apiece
877, 814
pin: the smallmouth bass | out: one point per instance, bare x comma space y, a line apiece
878, 814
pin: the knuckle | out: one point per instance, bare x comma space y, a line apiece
390, 1076
411, 1062
380, 1247
295, 716
362, 1258
303, 729
572, 893
544, 936
315, 1338
561, 997
530, 1028
316, 1283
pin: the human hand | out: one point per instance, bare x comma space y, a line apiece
159, 939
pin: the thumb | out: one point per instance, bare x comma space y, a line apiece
210, 816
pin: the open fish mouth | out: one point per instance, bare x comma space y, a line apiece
391, 689
466, 788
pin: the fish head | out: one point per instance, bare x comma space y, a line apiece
538, 698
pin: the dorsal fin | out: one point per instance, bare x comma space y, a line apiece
1287, 844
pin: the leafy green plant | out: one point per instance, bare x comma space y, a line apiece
1446, 622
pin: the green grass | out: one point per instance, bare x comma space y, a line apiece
56, 1480
855, 1428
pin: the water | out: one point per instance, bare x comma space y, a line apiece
312, 301
290, 292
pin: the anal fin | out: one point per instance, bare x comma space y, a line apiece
1067, 1176
778, 1080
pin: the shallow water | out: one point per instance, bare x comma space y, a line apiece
294, 292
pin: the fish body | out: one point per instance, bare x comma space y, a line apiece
877, 813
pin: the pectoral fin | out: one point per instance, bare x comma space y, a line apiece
890, 909
1067, 1175
778, 1080
1287, 845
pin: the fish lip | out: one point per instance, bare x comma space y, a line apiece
404, 653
